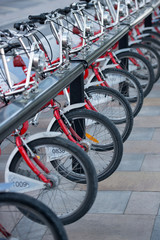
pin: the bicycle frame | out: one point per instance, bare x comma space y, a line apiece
23, 147
22, 86
5, 233
22, 183
65, 127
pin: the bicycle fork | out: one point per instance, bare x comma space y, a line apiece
4, 232
65, 128
68, 130
20, 143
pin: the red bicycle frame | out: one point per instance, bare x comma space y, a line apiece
4, 232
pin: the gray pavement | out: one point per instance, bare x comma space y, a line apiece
127, 206
128, 203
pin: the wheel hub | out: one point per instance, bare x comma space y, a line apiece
86, 145
54, 179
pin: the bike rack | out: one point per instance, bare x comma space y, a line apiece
21, 109
155, 4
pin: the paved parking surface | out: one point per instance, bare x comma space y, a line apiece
127, 205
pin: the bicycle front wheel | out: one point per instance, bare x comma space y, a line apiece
100, 138
127, 85
151, 55
153, 42
73, 191
15, 225
140, 67
153, 34
113, 105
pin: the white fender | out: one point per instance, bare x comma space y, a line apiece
106, 65
19, 182
22, 183
148, 28
122, 50
142, 35
134, 42
89, 84
29, 139
100, 59
72, 106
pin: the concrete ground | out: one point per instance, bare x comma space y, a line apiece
127, 204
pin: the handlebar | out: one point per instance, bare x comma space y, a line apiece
64, 11
74, 6
21, 26
38, 18
9, 46
12, 46
3, 44
5, 33
89, 5
85, 1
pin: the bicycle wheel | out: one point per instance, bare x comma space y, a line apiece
72, 192
113, 105
100, 137
153, 34
127, 85
15, 225
156, 24
151, 55
153, 42
140, 67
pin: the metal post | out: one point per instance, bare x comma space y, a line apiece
77, 90
123, 43
77, 96
148, 21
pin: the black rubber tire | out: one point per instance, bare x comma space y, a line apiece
153, 34
99, 153
156, 24
88, 176
14, 201
113, 105
136, 101
153, 54
153, 42
150, 79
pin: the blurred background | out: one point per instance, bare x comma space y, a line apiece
17, 10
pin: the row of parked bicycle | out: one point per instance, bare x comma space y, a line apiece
83, 143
